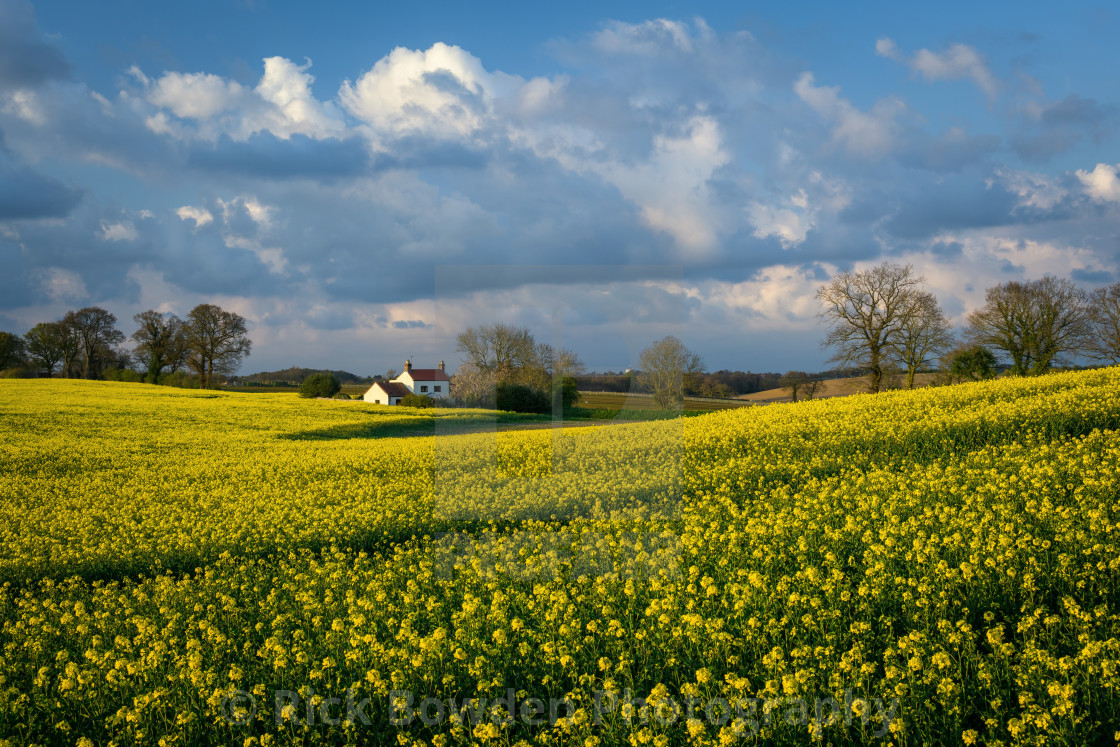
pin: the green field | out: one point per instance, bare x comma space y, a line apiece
615, 401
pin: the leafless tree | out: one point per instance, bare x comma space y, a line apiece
865, 310
1103, 340
810, 387
666, 366
1036, 323
795, 380
95, 331
925, 332
474, 387
216, 342
513, 356
498, 347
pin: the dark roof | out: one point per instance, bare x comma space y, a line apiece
393, 388
427, 374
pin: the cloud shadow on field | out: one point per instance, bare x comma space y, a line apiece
382, 424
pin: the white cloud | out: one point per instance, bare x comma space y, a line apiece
195, 95
24, 103
671, 187
791, 218
287, 87
200, 216
271, 257
281, 103
1034, 190
1101, 183
61, 284
123, 231
958, 61
860, 133
789, 224
441, 92
650, 37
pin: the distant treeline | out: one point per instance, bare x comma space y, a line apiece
715, 384
294, 376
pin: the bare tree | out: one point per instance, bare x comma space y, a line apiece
1036, 323
161, 343
666, 367
47, 344
925, 332
865, 310
216, 342
810, 387
1103, 341
474, 387
513, 356
795, 380
498, 347
95, 331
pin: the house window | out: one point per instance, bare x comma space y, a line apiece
423, 388
435, 388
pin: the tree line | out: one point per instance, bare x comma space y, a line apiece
883, 319
86, 344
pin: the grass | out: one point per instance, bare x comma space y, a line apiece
643, 402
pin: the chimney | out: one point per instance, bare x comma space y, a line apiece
407, 365
441, 365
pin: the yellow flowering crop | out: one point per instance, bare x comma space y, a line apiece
937, 566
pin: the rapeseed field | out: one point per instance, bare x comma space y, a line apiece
931, 567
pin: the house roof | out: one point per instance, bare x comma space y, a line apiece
392, 388
427, 374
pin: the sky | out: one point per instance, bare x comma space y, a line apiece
363, 181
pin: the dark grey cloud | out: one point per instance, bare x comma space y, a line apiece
417, 153
1062, 125
266, 156
25, 194
26, 61
957, 203
1093, 277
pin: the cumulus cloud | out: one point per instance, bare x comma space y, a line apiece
443, 91
957, 62
1035, 190
122, 231
195, 95
200, 216
870, 134
671, 187
1101, 183
660, 144
60, 284
281, 104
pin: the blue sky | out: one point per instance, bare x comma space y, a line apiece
363, 183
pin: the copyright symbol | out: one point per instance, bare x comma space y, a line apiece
238, 708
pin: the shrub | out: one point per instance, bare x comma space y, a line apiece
123, 374
975, 363
180, 379
568, 392
18, 373
319, 385
417, 400
520, 398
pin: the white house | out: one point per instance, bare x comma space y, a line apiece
430, 381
